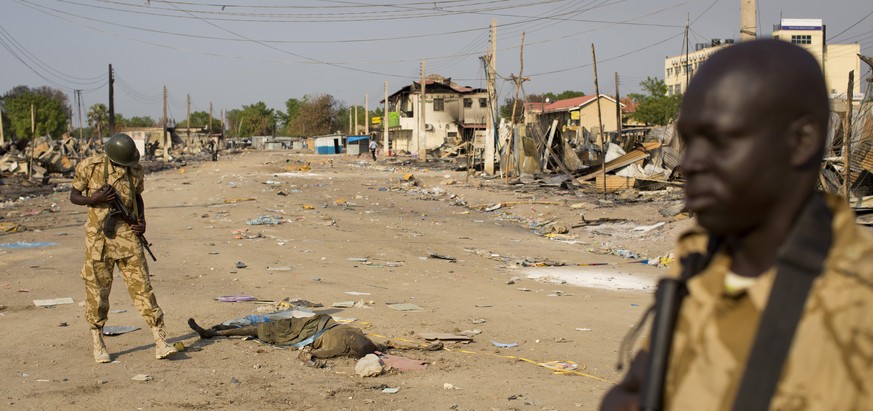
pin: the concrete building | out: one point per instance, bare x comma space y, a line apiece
579, 114
452, 114
836, 60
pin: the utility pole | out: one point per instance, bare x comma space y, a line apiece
847, 134
355, 132
686, 65
748, 26
490, 128
422, 139
617, 109
210, 120
3, 138
385, 124
188, 115
518, 81
599, 121
32, 140
350, 121
366, 114
111, 102
166, 141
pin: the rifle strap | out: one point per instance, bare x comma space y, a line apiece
799, 261
129, 181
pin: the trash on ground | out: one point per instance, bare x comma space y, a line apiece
22, 244
267, 220
559, 366
369, 366
118, 329
583, 329
280, 268
390, 390
405, 307
504, 345
358, 259
53, 302
447, 386
356, 293
240, 264
402, 363
238, 200
478, 321
441, 257
444, 337
647, 228
142, 377
343, 304
234, 298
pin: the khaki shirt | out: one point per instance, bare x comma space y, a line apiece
830, 365
90, 177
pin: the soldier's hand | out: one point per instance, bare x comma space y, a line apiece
105, 194
139, 228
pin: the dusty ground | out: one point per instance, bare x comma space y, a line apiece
358, 210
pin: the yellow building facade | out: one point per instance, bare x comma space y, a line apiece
836, 60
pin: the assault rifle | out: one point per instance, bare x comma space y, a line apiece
119, 211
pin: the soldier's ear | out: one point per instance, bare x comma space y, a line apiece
805, 142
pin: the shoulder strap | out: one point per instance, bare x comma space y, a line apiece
799, 261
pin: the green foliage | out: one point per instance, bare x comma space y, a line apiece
252, 120
134, 122
50, 105
201, 119
315, 115
98, 118
656, 107
506, 109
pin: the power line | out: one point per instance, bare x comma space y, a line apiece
853, 25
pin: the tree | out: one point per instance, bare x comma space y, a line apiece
98, 118
316, 115
656, 107
50, 105
252, 120
201, 119
289, 116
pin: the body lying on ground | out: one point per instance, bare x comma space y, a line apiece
323, 337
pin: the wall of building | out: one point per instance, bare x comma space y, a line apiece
675, 67
842, 58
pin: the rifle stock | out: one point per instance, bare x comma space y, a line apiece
668, 300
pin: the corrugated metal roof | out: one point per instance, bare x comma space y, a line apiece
632, 156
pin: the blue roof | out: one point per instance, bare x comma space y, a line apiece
352, 139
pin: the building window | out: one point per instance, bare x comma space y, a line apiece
801, 39
439, 104
483, 102
678, 89
670, 90
468, 102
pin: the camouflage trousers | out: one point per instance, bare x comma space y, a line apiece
98, 283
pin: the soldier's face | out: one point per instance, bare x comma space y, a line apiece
735, 153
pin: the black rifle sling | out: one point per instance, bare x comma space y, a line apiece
799, 261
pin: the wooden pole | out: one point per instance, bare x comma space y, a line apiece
188, 116
210, 121
111, 102
599, 120
355, 131
385, 124
617, 109
518, 80
422, 138
3, 137
32, 140
79, 110
847, 135
165, 139
366, 114
491, 129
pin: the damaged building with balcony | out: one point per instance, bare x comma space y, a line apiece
453, 114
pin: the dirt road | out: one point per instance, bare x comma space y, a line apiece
337, 214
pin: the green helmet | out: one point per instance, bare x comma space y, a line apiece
121, 149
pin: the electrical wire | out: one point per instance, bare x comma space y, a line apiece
853, 25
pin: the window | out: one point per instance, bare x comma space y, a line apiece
669, 71
678, 89
670, 90
468, 102
483, 102
439, 104
801, 39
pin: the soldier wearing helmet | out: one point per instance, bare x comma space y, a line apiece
99, 180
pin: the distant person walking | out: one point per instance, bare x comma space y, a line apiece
373, 148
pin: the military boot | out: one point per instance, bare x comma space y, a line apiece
162, 349
100, 354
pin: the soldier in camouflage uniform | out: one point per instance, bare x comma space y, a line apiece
101, 178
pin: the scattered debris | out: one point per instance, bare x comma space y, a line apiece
53, 302
22, 244
267, 220
444, 337
369, 366
441, 256
235, 298
142, 377
405, 307
118, 329
504, 345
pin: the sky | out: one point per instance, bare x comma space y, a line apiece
237, 52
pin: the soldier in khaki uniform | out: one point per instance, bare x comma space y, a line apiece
99, 179
754, 122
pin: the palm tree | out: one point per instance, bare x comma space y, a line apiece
98, 118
